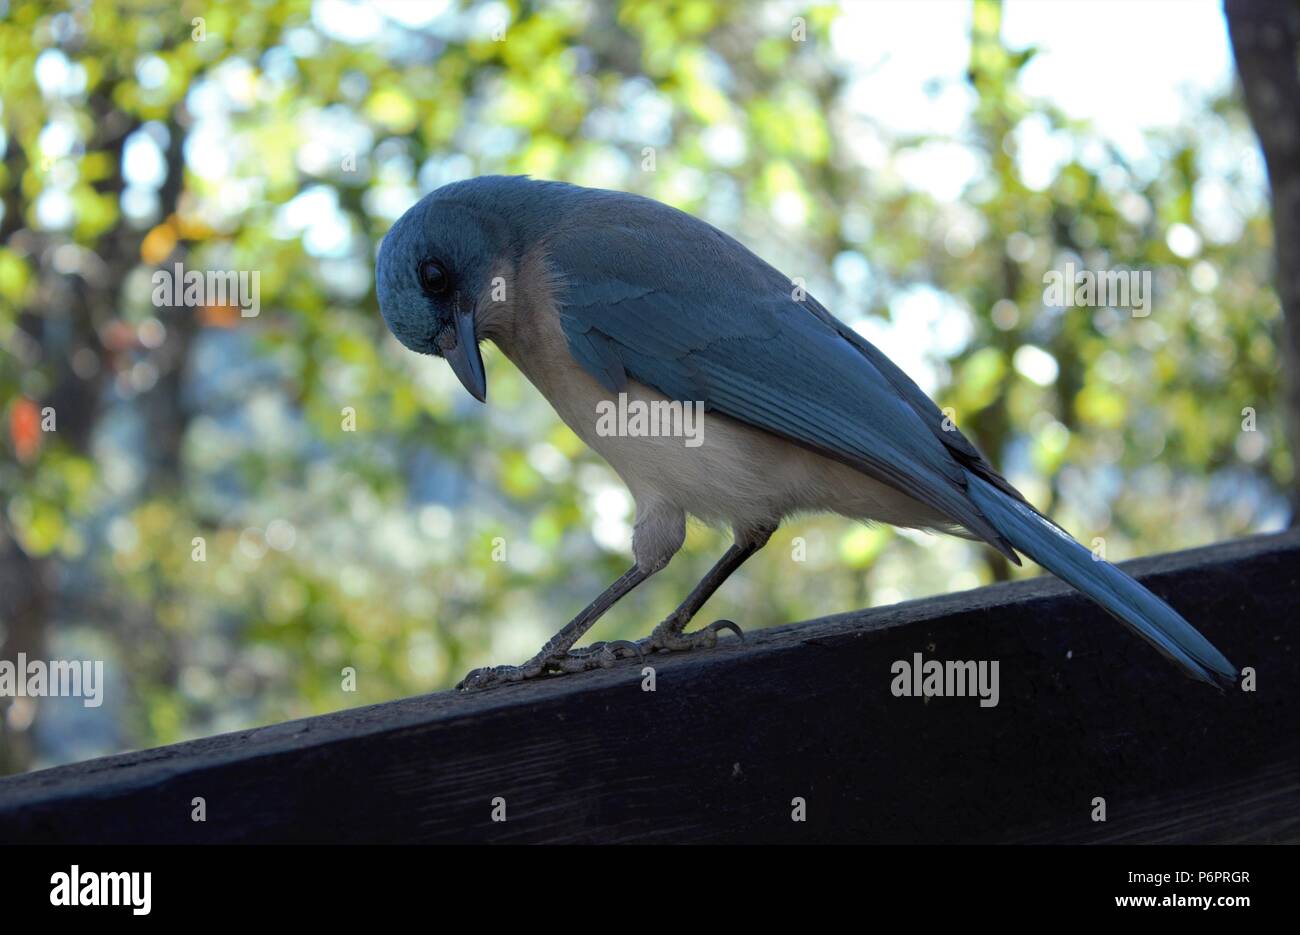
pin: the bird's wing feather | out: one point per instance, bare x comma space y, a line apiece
695, 327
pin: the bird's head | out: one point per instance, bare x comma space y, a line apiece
434, 268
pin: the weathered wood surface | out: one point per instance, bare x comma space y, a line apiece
729, 738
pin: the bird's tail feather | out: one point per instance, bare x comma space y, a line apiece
1149, 616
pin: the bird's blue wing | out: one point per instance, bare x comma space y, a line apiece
693, 314
708, 321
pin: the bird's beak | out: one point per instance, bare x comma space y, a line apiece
459, 345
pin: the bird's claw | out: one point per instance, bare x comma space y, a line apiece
665, 637
595, 656
625, 649
491, 676
731, 625
599, 655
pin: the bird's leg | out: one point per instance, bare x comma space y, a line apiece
556, 655
669, 633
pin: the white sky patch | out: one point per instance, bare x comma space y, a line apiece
238, 82
142, 161
645, 113
906, 63
348, 278
941, 169
209, 150
58, 76
1217, 210
52, 69
1148, 74
684, 186
909, 62
925, 325
54, 209
413, 14
1041, 152
610, 528
1035, 365
316, 216
140, 204
436, 521
57, 138
865, 144
151, 71
329, 135
790, 209
350, 22
549, 461
389, 199
603, 168
206, 100
1183, 241
441, 170
852, 271
724, 144
487, 17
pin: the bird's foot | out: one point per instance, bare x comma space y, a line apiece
668, 637
595, 656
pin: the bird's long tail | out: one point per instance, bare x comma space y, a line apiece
1149, 616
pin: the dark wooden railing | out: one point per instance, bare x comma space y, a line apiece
735, 744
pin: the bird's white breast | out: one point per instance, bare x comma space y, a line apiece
738, 475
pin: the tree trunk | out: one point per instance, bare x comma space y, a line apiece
1266, 43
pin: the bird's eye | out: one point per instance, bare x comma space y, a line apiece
433, 277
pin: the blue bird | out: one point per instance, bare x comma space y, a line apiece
605, 299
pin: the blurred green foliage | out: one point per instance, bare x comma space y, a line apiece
288, 150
